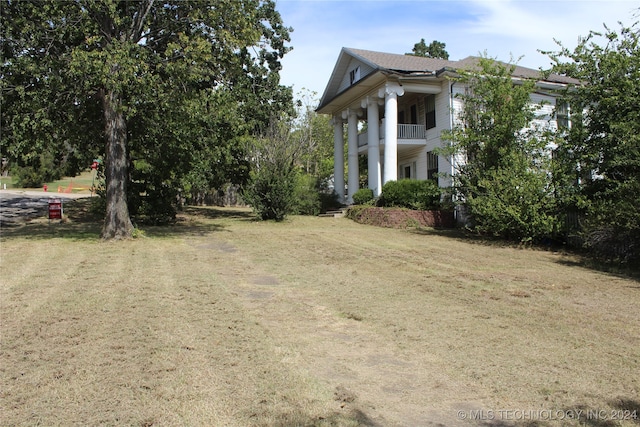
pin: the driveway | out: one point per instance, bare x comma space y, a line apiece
18, 206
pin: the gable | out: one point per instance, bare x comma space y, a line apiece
356, 70
368, 63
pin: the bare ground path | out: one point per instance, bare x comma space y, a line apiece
230, 322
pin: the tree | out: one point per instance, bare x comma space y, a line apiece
602, 147
276, 156
161, 77
435, 49
502, 176
315, 133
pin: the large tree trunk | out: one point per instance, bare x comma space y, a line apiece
117, 224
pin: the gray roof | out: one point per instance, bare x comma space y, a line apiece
416, 66
396, 62
412, 64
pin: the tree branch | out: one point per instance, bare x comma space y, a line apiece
137, 24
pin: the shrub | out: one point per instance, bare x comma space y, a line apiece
271, 192
152, 203
306, 195
363, 196
411, 194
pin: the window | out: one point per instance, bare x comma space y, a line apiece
432, 165
401, 117
414, 114
430, 107
562, 114
354, 75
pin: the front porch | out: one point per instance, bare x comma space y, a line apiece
396, 134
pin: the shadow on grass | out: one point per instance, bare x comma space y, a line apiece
624, 410
621, 271
578, 258
214, 212
199, 221
81, 223
43, 230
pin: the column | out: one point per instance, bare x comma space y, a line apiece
352, 155
390, 93
338, 157
373, 153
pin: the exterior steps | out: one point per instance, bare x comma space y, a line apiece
333, 214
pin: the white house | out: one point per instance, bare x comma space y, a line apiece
406, 102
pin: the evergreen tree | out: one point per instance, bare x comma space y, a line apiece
435, 49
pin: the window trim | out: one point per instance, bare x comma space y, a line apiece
430, 112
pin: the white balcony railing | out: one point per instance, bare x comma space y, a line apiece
404, 132
411, 132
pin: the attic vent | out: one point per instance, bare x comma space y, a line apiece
354, 75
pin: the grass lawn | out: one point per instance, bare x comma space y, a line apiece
80, 183
225, 321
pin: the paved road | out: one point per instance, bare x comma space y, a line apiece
17, 206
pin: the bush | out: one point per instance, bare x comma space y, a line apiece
363, 196
270, 192
306, 195
152, 203
411, 194
614, 244
513, 206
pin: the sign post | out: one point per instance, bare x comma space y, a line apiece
55, 209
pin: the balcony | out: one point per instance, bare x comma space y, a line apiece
407, 134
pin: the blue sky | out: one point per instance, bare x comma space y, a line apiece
502, 28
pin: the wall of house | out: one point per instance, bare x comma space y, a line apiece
546, 118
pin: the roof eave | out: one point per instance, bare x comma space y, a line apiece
373, 79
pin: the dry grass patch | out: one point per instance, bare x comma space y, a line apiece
316, 321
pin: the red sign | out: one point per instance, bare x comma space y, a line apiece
55, 209
94, 165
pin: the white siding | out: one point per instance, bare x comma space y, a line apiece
545, 113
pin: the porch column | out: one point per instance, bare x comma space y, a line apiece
338, 157
390, 93
373, 153
352, 155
